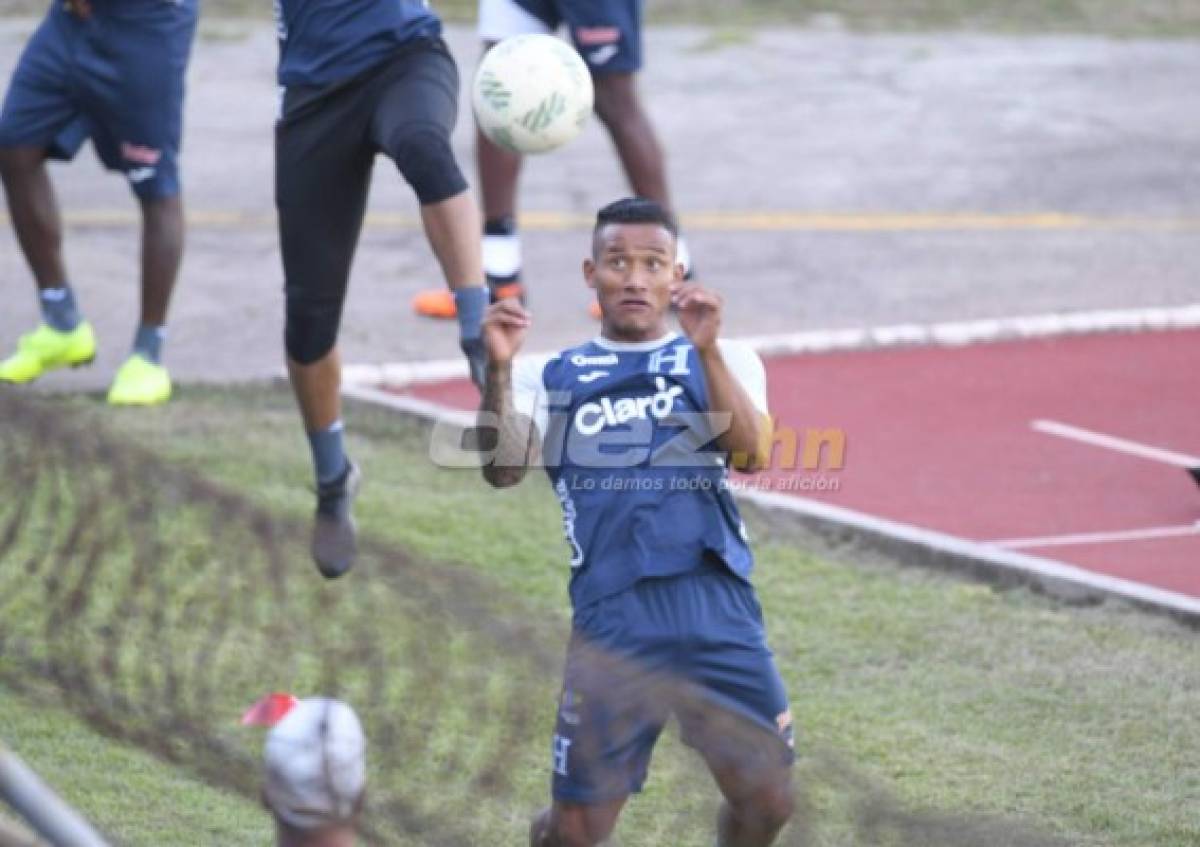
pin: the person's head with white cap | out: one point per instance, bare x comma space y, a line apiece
315, 774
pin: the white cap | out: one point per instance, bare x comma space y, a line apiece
315, 764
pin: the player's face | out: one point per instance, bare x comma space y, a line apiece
633, 271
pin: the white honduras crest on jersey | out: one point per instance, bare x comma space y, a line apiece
676, 356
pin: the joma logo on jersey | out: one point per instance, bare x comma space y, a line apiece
592, 418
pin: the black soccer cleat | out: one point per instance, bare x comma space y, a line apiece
1195, 472
334, 535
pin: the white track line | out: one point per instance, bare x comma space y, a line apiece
1046, 572
1119, 445
948, 334
1148, 534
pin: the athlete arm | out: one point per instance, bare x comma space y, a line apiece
747, 438
507, 433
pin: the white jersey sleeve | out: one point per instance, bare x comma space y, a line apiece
529, 392
747, 368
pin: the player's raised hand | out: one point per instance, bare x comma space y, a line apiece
699, 313
505, 325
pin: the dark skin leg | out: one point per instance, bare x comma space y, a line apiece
162, 252
574, 825
620, 110
37, 221
33, 208
499, 171
757, 804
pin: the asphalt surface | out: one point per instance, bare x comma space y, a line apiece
832, 180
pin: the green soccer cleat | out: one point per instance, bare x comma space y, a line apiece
140, 382
46, 349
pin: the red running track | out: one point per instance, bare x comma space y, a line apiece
941, 439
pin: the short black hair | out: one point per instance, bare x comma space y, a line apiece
636, 210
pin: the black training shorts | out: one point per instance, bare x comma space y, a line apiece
326, 140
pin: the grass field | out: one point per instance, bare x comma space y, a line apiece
932, 710
1154, 18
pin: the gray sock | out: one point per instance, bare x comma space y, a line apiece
471, 304
329, 452
148, 341
59, 309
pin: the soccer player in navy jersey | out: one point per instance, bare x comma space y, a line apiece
634, 428
358, 78
112, 71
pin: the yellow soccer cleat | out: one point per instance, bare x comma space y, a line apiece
47, 348
140, 382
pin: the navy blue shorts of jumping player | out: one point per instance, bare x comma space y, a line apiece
116, 77
693, 645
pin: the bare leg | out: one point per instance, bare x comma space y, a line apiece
34, 211
452, 227
620, 109
162, 252
574, 825
757, 805
318, 390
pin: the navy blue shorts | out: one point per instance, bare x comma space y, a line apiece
607, 33
117, 78
691, 645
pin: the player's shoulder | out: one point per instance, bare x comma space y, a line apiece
736, 350
529, 370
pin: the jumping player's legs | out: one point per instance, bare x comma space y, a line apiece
323, 166
414, 115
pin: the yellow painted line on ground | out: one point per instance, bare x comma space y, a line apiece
544, 221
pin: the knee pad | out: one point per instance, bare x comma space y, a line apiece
422, 153
312, 326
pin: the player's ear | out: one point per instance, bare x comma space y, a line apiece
589, 273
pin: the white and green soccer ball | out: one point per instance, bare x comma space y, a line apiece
532, 93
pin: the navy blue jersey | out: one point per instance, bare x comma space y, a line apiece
326, 41
630, 450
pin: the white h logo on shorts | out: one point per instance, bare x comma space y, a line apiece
561, 747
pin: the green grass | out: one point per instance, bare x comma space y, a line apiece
1158, 18
951, 712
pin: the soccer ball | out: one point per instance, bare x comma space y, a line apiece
532, 93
